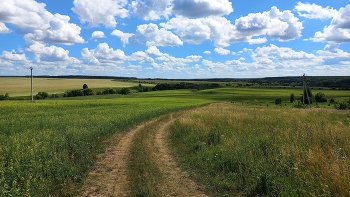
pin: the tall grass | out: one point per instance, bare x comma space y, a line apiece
246, 151
47, 146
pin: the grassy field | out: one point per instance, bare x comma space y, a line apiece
47, 146
236, 150
20, 86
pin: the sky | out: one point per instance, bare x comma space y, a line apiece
182, 39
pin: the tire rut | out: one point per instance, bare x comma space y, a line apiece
110, 174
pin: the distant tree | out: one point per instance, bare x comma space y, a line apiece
278, 101
85, 86
4, 97
320, 97
332, 100
292, 98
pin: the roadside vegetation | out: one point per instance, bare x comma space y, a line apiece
47, 146
257, 151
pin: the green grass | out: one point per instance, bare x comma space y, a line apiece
236, 150
47, 146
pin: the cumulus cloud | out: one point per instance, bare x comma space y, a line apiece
26, 15
202, 8
314, 11
4, 29
153, 50
253, 28
124, 37
97, 12
48, 53
59, 31
222, 51
98, 34
274, 23
13, 56
207, 52
156, 37
339, 29
196, 31
102, 54
151, 9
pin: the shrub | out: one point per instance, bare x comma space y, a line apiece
41, 95
85, 86
4, 97
342, 106
87, 92
124, 91
332, 100
278, 101
320, 97
299, 105
292, 98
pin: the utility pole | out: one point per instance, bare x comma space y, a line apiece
31, 81
305, 91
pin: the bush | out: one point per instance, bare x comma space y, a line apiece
74, 93
124, 91
85, 86
292, 98
4, 97
320, 97
87, 92
278, 101
41, 95
299, 105
332, 100
342, 106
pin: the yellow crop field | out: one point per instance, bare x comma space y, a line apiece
20, 86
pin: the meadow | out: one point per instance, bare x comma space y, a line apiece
235, 150
46, 147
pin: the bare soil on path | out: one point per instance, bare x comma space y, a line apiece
109, 177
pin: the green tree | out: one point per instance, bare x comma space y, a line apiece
124, 91
292, 98
85, 86
320, 97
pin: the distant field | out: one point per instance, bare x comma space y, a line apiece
20, 86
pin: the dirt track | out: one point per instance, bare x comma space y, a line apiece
110, 176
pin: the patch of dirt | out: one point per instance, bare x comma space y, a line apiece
176, 182
109, 177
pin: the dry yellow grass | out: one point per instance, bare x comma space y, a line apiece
20, 86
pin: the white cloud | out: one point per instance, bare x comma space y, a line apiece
257, 40
153, 50
202, 8
339, 29
97, 12
103, 54
4, 29
13, 56
274, 23
314, 11
207, 52
151, 9
60, 31
48, 53
217, 67
156, 37
222, 51
98, 34
254, 28
124, 37
196, 31
26, 15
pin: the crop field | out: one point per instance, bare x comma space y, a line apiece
20, 86
245, 146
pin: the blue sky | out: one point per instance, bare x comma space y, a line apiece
175, 38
